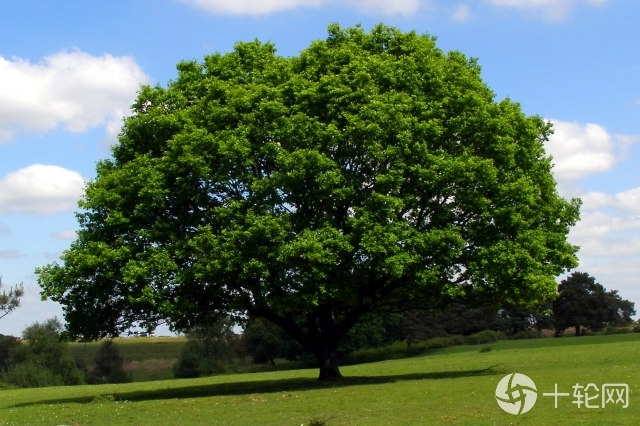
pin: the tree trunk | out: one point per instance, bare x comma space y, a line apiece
328, 364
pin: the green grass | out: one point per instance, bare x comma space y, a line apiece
452, 385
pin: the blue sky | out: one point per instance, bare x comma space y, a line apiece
69, 71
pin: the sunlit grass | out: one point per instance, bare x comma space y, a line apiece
448, 386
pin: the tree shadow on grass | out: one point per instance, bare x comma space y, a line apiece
261, 386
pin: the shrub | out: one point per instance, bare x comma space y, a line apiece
438, 342
43, 359
457, 340
485, 336
7, 345
526, 334
208, 351
108, 365
611, 329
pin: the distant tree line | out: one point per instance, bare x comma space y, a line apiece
42, 358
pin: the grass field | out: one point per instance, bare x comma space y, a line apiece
148, 358
447, 386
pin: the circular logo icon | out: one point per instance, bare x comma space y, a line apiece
516, 393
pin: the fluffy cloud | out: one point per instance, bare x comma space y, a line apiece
263, 7
40, 190
10, 254
461, 13
250, 7
71, 89
553, 10
580, 150
64, 235
386, 7
628, 200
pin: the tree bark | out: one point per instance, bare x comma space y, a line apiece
328, 364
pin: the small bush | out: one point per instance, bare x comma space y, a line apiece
636, 329
31, 374
526, 334
611, 329
457, 340
438, 342
7, 345
484, 336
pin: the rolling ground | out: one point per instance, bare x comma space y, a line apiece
446, 386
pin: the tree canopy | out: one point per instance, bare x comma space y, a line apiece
371, 172
585, 304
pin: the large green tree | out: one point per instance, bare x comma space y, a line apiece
585, 304
371, 172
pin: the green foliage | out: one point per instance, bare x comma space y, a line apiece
10, 299
263, 341
209, 350
586, 305
371, 172
7, 345
43, 359
485, 336
108, 366
526, 334
372, 331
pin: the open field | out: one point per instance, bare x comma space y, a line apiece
448, 386
147, 358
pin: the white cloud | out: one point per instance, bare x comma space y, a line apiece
600, 225
553, 10
250, 7
71, 89
64, 235
580, 150
10, 254
386, 7
264, 7
461, 13
628, 200
40, 190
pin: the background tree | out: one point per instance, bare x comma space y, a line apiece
263, 341
371, 172
43, 358
585, 304
109, 365
208, 351
10, 299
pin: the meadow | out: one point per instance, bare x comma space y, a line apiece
146, 358
453, 385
